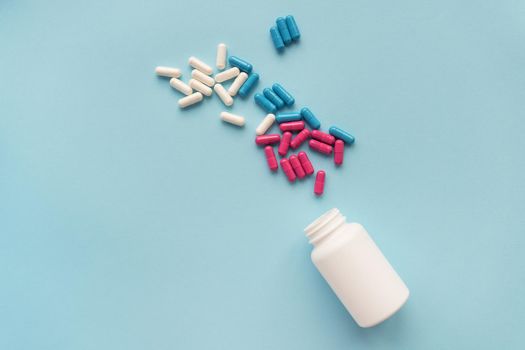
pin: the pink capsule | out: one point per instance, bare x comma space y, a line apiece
288, 170
306, 164
285, 143
300, 138
319, 182
292, 126
323, 137
267, 139
320, 147
297, 167
270, 158
339, 152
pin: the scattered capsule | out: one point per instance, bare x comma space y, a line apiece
320, 147
168, 72
203, 78
222, 51
288, 170
190, 100
223, 94
310, 118
292, 126
264, 103
292, 27
285, 117
319, 182
181, 86
200, 87
272, 96
285, 144
283, 30
241, 64
237, 83
198, 64
232, 118
266, 124
297, 167
248, 85
305, 162
270, 158
276, 38
300, 138
283, 94
323, 137
341, 134
339, 150
227, 75
262, 140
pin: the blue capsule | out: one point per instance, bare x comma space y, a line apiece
283, 30
292, 27
341, 134
283, 94
276, 38
287, 117
272, 96
310, 118
248, 85
264, 103
241, 64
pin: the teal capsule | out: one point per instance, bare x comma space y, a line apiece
310, 118
285, 117
264, 103
276, 38
292, 27
248, 85
241, 64
283, 30
272, 96
341, 134
283, 94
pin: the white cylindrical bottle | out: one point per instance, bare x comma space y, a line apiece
356, 270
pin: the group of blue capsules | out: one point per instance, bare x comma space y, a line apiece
271, 100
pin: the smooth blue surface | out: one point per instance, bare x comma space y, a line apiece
310, 118
249, 85
284, 94
264, 103
278, 42
283, 30
273, 98
128, 224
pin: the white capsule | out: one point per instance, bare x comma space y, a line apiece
221, 56
200, 87
227, 74
266, 124
198, 64
168, 72
232, 118
180, 86
190, 100
223, 94
203, 78
237, 83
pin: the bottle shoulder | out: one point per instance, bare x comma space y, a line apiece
337, 240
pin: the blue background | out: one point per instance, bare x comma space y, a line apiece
126, 223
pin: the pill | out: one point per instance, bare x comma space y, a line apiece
285, 144
319, 182
310, 118
232, 118
305, 162
320, 147
203, 78
241, 64
276, 38
285, 117
190, 100
283, 94
237, 83
264, 103
180, 86
227, 74
220, 62
265, 124
223, 94
292, 27
323, 137
341, 134
272, 96
288, 170
270, 158
200, 87
300, 138
168, 72
339, 150
248, 85
198, 64
297, 167
292, 126
283, 30
262, 140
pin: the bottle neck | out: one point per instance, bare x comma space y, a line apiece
324, 226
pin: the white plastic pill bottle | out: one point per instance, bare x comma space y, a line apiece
356, 270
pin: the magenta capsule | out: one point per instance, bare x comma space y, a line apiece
300, 138
293, 126
305, 162
297, 167
319, 182
339, 152
288, 170
270, 158
267, 139
323, 137
285, 143
320, 147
